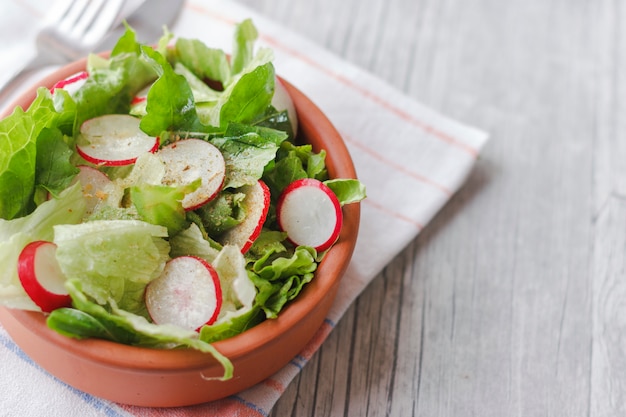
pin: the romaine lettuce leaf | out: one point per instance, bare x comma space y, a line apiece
18, 154
162, 204
238, 291
15, 234
239, 311
105, 255
191, 242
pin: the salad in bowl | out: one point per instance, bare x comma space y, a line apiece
161, 198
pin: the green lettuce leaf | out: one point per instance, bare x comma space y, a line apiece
249, 97
243, 45
54, 172
192, 242
247, 150
162, 204
18, 154
223, 212
238, 310
347, 190
206, 63
106, 255
280, 279
15, 234
170, 104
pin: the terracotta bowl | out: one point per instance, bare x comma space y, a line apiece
167, 378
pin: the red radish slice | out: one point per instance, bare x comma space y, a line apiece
114, 140
187, 294
257, 204
71, 84
141, 96
190, 159
41, 276
94, 184
310, 213
139, 102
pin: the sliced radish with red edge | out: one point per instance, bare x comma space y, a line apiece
72, 83
187, 294
256, 204
141, 96
114, 140
310, 213
41, 276
139, 102
189, 159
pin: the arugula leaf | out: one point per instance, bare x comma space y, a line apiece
247, 150
250, 96
170, 104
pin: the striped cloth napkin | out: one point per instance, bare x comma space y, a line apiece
411, 159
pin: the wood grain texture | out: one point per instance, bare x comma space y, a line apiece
511, 302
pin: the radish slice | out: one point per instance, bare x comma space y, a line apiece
190, 159
187, 294
141, 96
41, 276
310, 213
94, 184
257, 204
139, 102
282, 101
71, 84
114, 140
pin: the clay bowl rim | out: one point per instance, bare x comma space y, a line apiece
339, 164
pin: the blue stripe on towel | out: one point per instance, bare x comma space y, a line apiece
250, 405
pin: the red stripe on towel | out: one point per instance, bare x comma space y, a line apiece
396, 166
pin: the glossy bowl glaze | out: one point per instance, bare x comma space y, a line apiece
167, 378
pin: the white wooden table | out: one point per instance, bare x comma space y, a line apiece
512, 302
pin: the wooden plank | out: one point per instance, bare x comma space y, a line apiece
509, 302
608, 359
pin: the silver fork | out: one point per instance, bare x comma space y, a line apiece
71, 29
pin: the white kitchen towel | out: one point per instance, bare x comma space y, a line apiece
411, 159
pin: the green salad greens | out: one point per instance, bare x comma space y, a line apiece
110, 253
